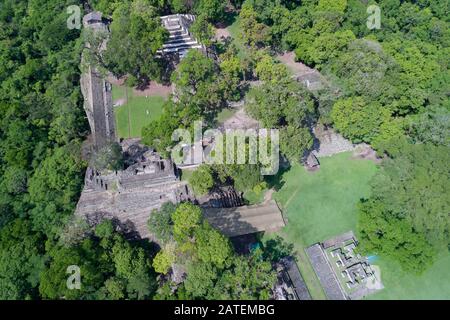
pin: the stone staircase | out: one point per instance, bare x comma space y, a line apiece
180, 39
131, 207
223, 198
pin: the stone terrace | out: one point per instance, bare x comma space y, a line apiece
180, 39
97, 91
132, 208
246, 219
131, 195
325, 273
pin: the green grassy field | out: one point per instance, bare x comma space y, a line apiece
322, 204
434, 283
186, 174
118, 92
136, 113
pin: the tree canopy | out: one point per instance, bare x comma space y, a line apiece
213, 270
407, 215
136, 35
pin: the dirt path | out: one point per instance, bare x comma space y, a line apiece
154, 89
298, 68
241, 120
268, 195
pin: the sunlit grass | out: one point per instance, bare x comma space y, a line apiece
141, 111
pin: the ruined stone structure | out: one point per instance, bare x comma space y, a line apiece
290, 284
147, 181
180, 39
223, 197
130, 195
243, 220
97, 93
343, 273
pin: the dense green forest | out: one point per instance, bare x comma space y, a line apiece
388, 87
42, 128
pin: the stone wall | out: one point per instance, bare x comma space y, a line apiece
97, 93
130, 195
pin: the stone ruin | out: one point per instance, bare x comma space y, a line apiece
222, 197
97, 92
290, 284
130, 195
148, 169
147, 181
342, 271
180, 39
127, 196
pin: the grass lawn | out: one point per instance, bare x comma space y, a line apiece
434, 283
186, 174
322, 204
118, 92
141, 111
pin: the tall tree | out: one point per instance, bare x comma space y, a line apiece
407, 215
160, 222
136, 35
21, 261
202, 180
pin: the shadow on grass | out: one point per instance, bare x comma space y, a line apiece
276, 181
278, 248
228, 20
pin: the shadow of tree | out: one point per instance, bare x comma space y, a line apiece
277, 249
228, 221
127, 229
276, 181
